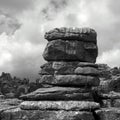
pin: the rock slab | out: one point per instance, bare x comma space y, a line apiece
59, 50
59, 105
70, 80
82, 34
18, 114
59, 93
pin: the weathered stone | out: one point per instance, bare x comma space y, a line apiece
59, 105
112, 84
69, 80
108, 114
59, 50
65, 68
58, 65
2, 97
112, 95
82, 34
59, 93
46, 69
86, 71
18, 114
104, 71
6, 104
116, 103
87, 64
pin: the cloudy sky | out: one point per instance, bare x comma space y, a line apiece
24, 22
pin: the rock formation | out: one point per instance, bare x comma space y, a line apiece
67, 77
71, 86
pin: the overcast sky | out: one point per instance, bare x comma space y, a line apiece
24, 22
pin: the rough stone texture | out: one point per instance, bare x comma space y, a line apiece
111, 95
18, 114
108, 114
58, 65
104, 70
70, 80
59, 50
82, 34
46, 68
65, 68
86, 71
6, 104
114, 84
116, 103
111, 99
59, 93
108, 85
59, 105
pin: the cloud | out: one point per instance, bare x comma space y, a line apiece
110, 57
23, 24
20, 58
8, 24
15, 6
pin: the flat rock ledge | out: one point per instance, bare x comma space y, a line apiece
60, 105
59, 93
18, 114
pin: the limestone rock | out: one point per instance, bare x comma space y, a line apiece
108, 114
59, 105
116, 103
69, 80
59, 50
18, 114
82, 34
112, 95
112, 84
58, 93
65, 68
58, 65
46, 68
6, 104
86, 71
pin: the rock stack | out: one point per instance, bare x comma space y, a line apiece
68, 76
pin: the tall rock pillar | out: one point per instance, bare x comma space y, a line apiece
68, 76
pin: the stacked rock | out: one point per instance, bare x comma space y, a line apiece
70, 72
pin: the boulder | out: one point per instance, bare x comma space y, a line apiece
18, 114
69, 80
59, 105
59, 93
81, 34
59, 50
